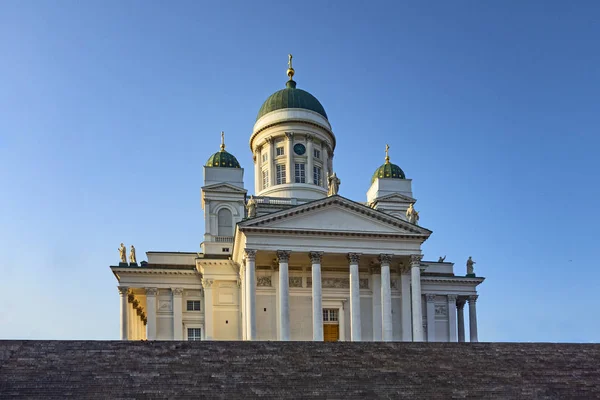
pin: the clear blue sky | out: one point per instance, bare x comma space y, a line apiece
109, 109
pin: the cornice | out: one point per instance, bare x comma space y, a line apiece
313, 232
294, 120
343, 202
461, 280
153, 271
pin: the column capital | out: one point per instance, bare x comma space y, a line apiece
309, 137
283, 255
353, 258
289, 135
239, 283
136, 303
177, 291
460, 304
250, 254
151, 291
130, 297
415, 260
375, 270
315, 257
452, 298
473, 299
123, 289
138, 311
385, 259
430, 297
207, 283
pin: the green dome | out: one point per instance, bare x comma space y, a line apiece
388, 170
290, 97
223, 159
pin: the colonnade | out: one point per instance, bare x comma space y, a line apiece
249, 296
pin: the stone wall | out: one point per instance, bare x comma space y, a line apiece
276, 370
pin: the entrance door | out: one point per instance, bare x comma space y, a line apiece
331, 326
331, 332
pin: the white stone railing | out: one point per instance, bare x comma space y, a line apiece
275, 201
224, 239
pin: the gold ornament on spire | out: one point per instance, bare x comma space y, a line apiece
222, 141
387, 156
290, 71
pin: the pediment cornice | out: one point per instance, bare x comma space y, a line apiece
398, 227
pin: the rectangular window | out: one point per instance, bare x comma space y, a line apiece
280, 174
265, 177
317, 176
279, 151
265, 157
193, 305
194, 334
300, 173
317, 154
330, 315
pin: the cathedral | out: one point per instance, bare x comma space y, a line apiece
295, 260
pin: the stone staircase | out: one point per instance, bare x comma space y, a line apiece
277, 370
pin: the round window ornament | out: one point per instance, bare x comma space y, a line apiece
299, 149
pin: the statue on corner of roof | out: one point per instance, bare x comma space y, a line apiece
441, 259
470, 269
251, 207
122, 254
132, 259
412, 215
334, 184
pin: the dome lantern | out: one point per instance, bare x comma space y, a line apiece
222, 159
388, 170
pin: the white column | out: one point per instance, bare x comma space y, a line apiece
243, 300
387, 329
309, 159
473, 318
406, 304
123, 311
430, 317
258, 169
250, 294
452, 318
151, 313
417, 311
377, 319
460, 307
284, 295
317, 296
208, 308
326, 171
355, 324
289, 157
177, 313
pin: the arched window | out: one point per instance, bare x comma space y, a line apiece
225, 223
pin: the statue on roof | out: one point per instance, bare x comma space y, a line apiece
123, 254
334, 185
132, 259
470, 269
442, 259
251, 207
412, 215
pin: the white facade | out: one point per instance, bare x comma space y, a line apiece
299, 265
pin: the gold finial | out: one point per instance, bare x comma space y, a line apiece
290, 71
387, 157
222, 141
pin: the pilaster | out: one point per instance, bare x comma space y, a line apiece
452, 318
177, 313
207, 285
430, 317
387, 329
151, 294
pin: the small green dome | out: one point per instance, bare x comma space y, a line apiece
290, 97
388, 170
223, 159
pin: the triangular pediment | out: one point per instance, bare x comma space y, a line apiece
396, 197
335, 214
223, 187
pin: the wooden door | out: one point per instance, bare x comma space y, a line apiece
331, 332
